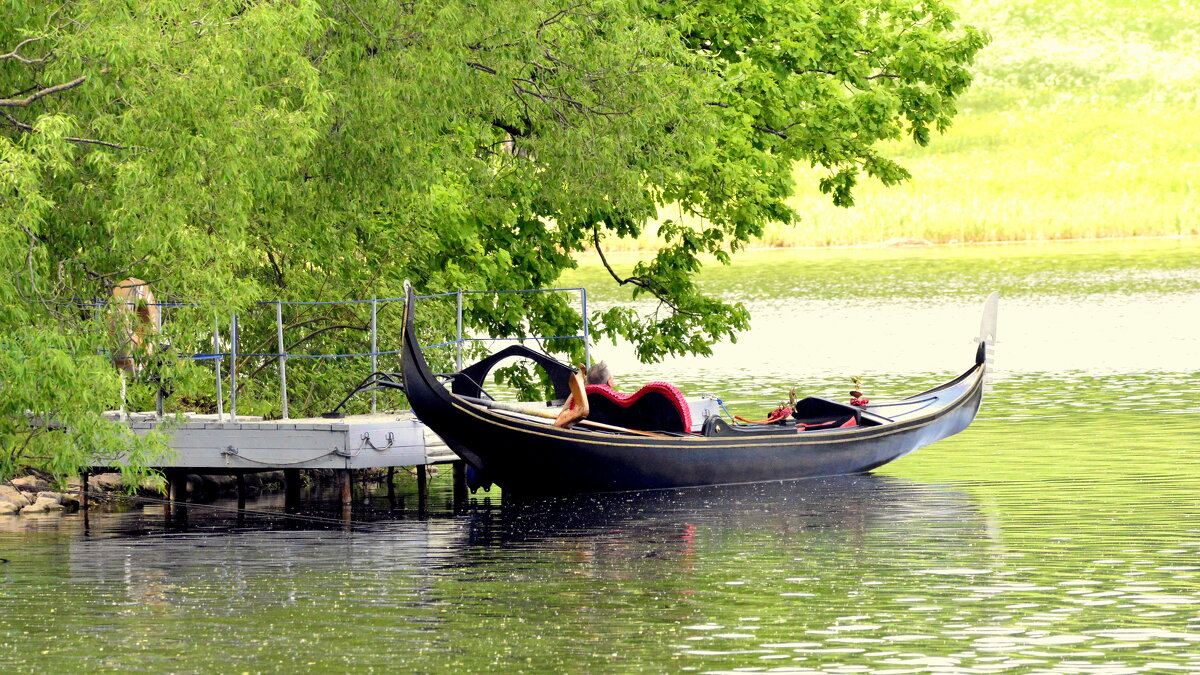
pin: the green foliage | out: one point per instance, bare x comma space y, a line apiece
309, 150
50, 404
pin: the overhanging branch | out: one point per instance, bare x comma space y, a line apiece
15, 53
646, 283
41, 93
773, 132
306, 338
73, 139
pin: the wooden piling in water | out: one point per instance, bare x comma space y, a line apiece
347, 486
422, 489
174, 509
291, 488
177, 485
83, 490
241, 490
460, 482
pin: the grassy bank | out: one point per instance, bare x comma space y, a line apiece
1081, 124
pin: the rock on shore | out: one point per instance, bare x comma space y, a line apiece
30, 494
45, 501
13, 499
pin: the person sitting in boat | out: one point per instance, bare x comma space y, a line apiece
657, 406
599, 374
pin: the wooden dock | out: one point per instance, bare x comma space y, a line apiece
223, 444
246, 443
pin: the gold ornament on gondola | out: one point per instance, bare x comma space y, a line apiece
856, 395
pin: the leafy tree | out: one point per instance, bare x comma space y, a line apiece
326, 150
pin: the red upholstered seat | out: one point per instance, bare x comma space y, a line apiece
659, 391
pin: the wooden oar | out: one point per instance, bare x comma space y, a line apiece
539, 412
576, 408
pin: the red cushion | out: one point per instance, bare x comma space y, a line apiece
800, 426
665, 388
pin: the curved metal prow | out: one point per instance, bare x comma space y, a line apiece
987, 337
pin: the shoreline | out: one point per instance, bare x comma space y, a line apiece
31, 494
925, 244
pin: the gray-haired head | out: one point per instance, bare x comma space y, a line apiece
598, 374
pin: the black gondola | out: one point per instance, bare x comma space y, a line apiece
526, 455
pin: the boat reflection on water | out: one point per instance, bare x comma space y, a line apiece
855, 516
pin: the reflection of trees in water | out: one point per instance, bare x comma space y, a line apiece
282, 566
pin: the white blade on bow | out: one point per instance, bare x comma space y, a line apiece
987, 335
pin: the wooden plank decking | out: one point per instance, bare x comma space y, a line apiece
251, 443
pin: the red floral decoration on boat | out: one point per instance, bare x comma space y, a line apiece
856, 395
774, 416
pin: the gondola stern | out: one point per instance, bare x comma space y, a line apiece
420, 385
432, 402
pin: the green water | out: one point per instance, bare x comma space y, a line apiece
1060, 533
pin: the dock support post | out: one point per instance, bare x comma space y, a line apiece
177, 486
83, 489
374, 348
391, 482
282, 357
459, 342
241, 490
347, 487
160, 398
174, 509
217, 370
460, 483
233, 352
587, 346
422, 488
291, 488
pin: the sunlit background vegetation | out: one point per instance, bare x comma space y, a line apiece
1081, 123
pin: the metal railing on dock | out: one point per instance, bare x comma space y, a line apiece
282, 355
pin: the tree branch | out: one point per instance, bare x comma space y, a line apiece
645, 283
275, 266
770, 131
301, 341
546, 96
512, 129
481, 67
14, 54
29, 100
74, 139
118, 273
557, 17
362, 23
